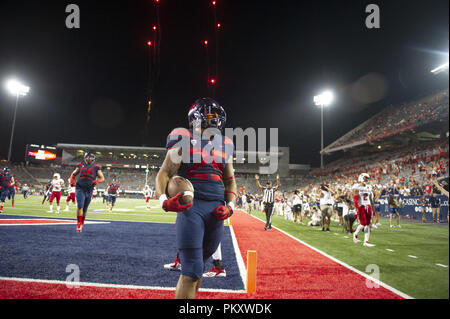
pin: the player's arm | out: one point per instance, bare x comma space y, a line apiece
13, 181
169, 168
257, 182
72, 176
100, 178
229, 183
278, 183
225, 211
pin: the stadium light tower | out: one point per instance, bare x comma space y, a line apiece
18, 89
323, 100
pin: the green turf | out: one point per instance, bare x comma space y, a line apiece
417, 277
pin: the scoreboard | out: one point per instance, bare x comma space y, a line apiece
40, 153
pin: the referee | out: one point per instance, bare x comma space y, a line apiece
268, 199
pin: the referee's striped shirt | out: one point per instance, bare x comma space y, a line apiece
268, 195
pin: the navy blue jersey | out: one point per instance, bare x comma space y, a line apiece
5, 179
88, 173
113, 189
204, 164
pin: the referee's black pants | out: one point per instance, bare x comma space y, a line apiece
268, 209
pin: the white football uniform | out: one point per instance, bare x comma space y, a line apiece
365, 194
57, 185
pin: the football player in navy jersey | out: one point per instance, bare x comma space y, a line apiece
113, 192
6, 183
90, 175
204, 156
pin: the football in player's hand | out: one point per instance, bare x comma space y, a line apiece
178, 184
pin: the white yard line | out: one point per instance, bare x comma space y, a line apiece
239, 259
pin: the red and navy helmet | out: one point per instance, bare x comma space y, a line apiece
89, 158
206, 113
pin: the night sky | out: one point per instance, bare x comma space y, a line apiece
90, 85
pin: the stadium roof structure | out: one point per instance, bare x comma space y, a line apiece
404, 129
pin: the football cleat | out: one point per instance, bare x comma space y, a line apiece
215, 272
367, 244
79, 228
176, 265
355, 238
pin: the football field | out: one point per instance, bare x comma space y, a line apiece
119, 248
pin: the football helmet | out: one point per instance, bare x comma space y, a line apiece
206, 113
362, 177
89, 158
56, 175
6, 170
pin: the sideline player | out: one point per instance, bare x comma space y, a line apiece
326, 205
147, 194
70, 197
377, 208
6, 182
204, 157
297, 205
25, 191
113, 192
84, 186
57, 185
362, 194
393, 210
94, 194
47, 191
12, 193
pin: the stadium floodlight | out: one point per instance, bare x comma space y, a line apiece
322, 100
18, 89
440, 68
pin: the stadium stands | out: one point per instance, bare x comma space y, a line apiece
395, 120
